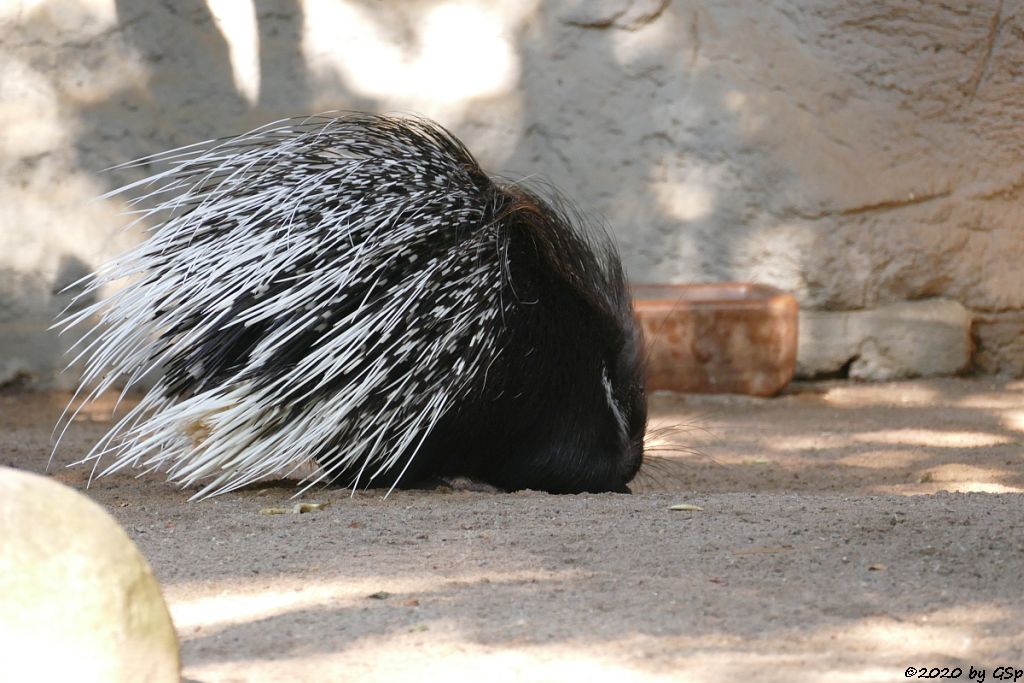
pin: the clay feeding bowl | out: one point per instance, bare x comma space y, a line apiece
735, 338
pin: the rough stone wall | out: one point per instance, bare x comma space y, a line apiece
857, 153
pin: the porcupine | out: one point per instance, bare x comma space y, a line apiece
355, 290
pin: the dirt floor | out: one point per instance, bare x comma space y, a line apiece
812, 556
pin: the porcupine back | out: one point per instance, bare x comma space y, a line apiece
356, 290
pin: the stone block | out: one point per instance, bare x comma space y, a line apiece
908, 339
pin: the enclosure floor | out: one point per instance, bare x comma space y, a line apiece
811, 558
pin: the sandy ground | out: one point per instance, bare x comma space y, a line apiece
812, 558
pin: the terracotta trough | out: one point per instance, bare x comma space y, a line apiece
735, 338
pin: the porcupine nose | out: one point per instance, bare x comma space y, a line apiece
630, 462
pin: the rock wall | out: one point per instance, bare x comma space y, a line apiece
858, 153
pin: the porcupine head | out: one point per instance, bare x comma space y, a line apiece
354, 290
563, 407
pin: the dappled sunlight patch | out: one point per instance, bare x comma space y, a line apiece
933, 438
909, 394
444, 649
926, 394
926, 485
687, 198
236, 21
213, 606
987, 487
997, 400
748, 109
102, 13
810, 442
966, 478
771, 254
1014, 419
885, 459
901, 438
423, 656
457, 51
953, 632
32, 125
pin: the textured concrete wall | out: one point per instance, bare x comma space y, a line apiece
857, 153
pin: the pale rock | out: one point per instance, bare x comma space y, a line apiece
78, 601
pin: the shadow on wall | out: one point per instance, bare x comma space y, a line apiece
824, 149
191, 90
104, 90
196, 85
608, 108
625, 120
28, 307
